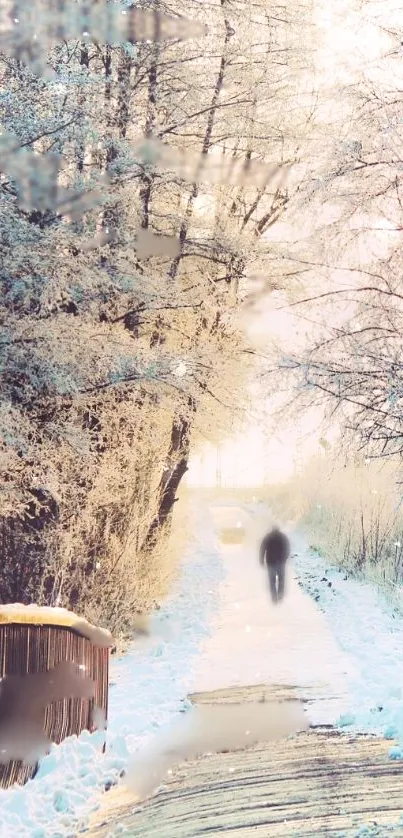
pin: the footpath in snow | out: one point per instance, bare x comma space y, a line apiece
345, 639
255, 642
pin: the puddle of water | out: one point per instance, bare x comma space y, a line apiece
213, 728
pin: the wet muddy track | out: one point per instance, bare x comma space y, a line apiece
314, 783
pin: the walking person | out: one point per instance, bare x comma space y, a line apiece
274, 552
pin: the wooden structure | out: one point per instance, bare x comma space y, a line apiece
37, 640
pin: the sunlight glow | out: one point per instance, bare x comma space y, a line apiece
255, 458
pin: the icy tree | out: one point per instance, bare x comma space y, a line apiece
138, 176
344, 259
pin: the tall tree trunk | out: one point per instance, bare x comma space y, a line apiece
176, 467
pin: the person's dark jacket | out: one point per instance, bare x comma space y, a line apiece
275, 548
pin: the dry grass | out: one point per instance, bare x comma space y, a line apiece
351, 514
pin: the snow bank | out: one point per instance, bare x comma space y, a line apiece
147, 690
369, 628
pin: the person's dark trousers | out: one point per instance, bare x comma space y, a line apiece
277, 580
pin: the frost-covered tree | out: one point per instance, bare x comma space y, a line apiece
343, 252
137, 179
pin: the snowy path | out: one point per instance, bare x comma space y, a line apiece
344, 640
254, 642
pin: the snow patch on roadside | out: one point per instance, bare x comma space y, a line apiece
148, 686
369, 628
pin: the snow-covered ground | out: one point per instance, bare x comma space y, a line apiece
342, 644
369, 629
148, 689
